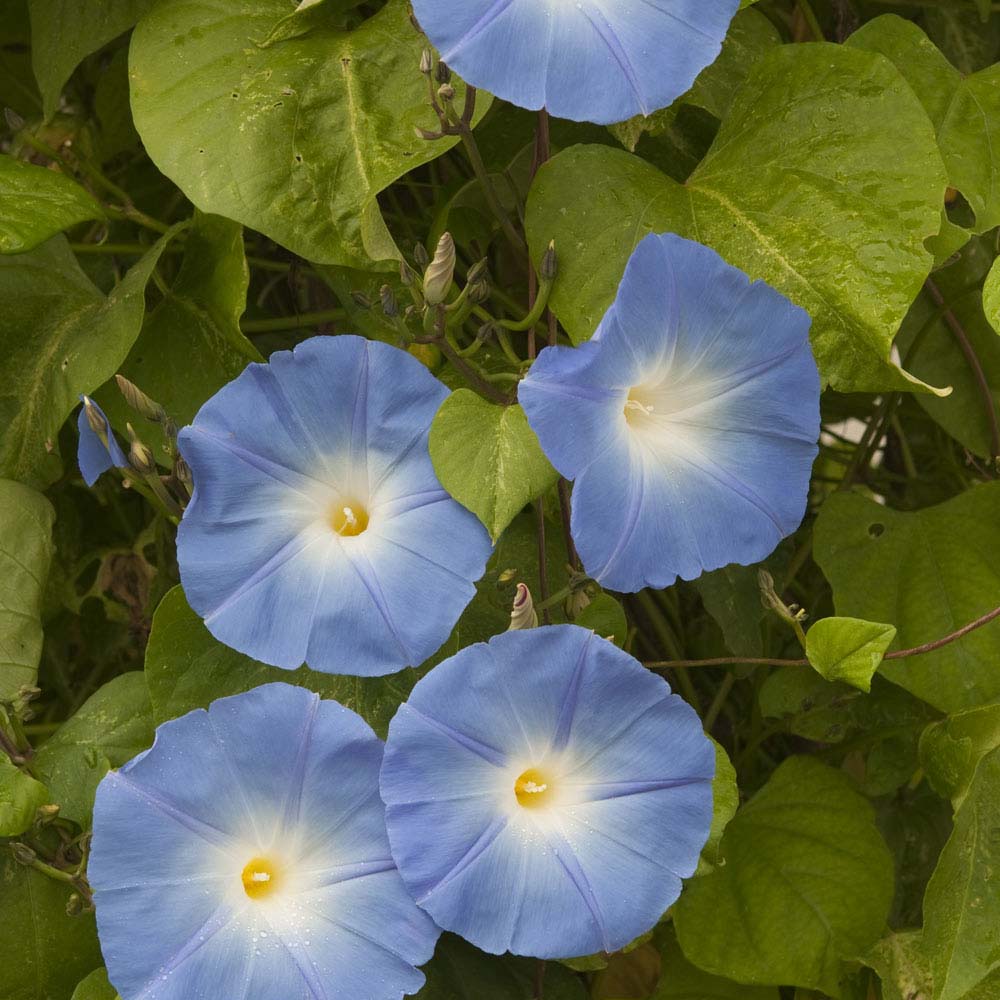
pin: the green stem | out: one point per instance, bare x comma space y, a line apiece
537, 310
810, 15
292, 322
712, 715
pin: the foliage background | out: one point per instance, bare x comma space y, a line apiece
230, 177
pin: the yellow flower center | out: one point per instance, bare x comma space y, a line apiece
348, 518
639, 406
261, 878
533, 788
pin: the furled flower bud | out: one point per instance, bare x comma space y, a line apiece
139, 456
550, 262
420, 255
139, 401
522, 614
443, 73
389, 305
441, 271
94, 418
426, 62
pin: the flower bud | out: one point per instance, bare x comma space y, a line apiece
388, 299
443, 73
446, 92
406, 274
23, 854
14, 121
441, 271
477, 272
550, 262
420, 255
47, 813
139, 456
139, 401
94, 418
74, 905
183, 472
426, 62
361, 300
522, 614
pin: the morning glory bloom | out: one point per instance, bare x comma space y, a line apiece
545, 794
689, 422
245, 855
588, 60
96, 452
318, 531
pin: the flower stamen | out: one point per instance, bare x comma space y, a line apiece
533, 788
261, 878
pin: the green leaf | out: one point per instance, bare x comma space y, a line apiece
20, 797
991, 296
458, 971
930, 572
731, 595
186, 668
95, 987
191, 344
950, 750
25, 553
965, 110
43, 952
605, 616
295, 138
59, 337
36, 203
725, 802
902, 966
807, 881
749, 37
680, 980
829, 197
64, 32
931, 349
111, 727
962, 903
488, 458
848, 649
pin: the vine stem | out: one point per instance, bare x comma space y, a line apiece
972, 359
763, 661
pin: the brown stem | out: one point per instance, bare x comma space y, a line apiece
974, 364
763, 661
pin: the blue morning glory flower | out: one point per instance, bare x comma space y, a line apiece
98, 449
689, 422
245, 855
588, 60
545, 794
317, 524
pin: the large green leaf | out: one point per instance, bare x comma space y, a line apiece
43, 952
36, 203
460, 972
807, 882
965, 110
848, 649
186, 668
25, 553
295, 138
929, 572
95, 987
829, 197
902, 966
111, 727
59, 337
962, 904
64, 32
950, 750
931, 349
488, 458
680, 980
20, 797
191, 344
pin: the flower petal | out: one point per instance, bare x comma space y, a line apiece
592, 60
